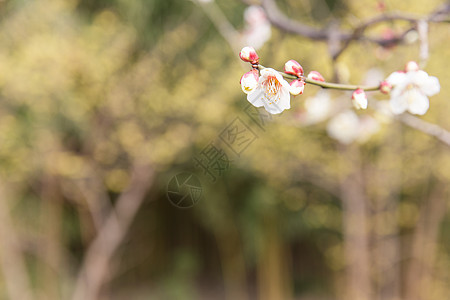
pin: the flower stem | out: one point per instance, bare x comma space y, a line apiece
328, 85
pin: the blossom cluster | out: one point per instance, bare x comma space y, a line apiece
268, 88
409, 88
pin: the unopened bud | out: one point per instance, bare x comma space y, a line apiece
359, 99
249, 81
314, 75
296, 87
411, 66
293, 67
248, 54
385, 87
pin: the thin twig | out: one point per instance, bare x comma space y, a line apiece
328, 85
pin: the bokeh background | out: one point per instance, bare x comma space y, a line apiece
102, 102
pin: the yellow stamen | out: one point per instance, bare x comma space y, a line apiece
272, 88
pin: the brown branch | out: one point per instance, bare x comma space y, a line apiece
97, 199
431, 129
280, 20
98, 256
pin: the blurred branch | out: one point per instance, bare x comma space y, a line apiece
431, 129
97, 259
220, 21
280, 20
97, 199
328, 85
11, 258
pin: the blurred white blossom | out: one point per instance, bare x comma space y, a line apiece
317, 108
344, 127
411, 90
347, 127
368, 126
257, 28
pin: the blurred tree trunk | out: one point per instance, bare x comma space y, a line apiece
229, 241
419, 277
272, 277
385, 233
52, 215
233, 263
354, 218
12, 260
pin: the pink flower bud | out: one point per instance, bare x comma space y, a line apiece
385, 87
314, 75
249, 81
293, 67
359, 99
411, 66
296, 87
248, 54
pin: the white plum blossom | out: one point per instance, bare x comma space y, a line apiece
297, 87
411, 90
411, 66
248, 54
359, 99
293, 67
314, 75
272, 92
249, 81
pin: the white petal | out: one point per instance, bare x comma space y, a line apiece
417, 102
398, 104
273, 108
430, 86
256, 97
279, 77
276, 105
396, 78
267, 72
285, 99
417, 77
